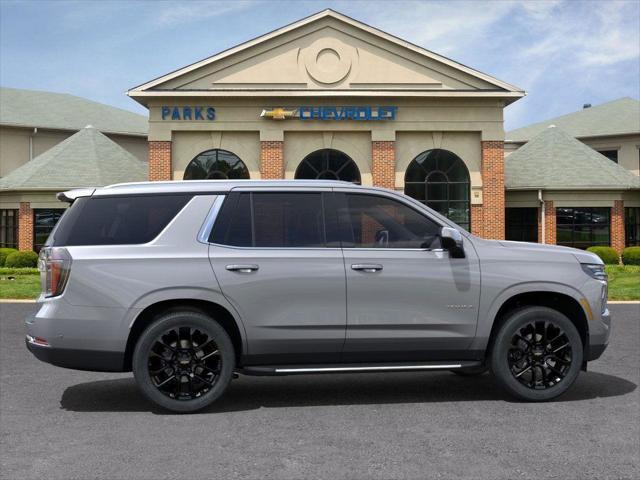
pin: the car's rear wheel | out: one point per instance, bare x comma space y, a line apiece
537, 354
183, 361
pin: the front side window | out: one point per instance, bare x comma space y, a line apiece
8, 228
440, 179
216, 164
369, 221
117, 220
521, 224
44, 219
632, 226
272, 220
583, 227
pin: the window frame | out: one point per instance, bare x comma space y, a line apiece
325, 153
448, 184
14, 229
535, 225
573, 224
341, 203
217, 151
628, 242
227, 208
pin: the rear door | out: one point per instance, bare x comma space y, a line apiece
406, 298
278, 261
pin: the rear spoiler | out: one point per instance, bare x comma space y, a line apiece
70, 195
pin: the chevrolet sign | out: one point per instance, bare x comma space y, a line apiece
365, 113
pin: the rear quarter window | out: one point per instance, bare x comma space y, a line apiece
117, 220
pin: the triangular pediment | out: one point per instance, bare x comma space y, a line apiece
327, 52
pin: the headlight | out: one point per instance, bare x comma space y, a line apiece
595, 270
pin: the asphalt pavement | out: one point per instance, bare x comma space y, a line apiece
65, 424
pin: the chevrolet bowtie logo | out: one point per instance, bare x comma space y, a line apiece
278, 113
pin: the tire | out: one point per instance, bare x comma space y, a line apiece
471, 371
537, 354
193, 349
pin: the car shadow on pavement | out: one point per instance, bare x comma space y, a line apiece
249, 393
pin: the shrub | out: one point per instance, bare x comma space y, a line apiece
608, 255
631, 256
4, 253
21, 260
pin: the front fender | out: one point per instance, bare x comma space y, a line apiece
489, 312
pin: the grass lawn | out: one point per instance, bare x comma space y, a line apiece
19, 283
624, 282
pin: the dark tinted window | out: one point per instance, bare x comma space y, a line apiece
632, 226
369, 221
44, 220
582, 227
522, 224
610, 154
277, 220
9, 228
117, 220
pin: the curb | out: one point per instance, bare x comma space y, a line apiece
624, 302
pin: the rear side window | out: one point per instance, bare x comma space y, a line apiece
117, 220
272, 220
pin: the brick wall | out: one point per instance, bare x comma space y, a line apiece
477, 220
383, 164
271, 159
25, 227
493, 190
550, 223
617, 226
160, 160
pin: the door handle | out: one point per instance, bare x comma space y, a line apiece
242, 268
367, 267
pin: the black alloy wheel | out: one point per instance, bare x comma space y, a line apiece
184, 361
536, 354
541, 355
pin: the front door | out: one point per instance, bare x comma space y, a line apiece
406, 299
277, 264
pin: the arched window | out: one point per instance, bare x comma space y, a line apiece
328, 164
440, 179
216, 164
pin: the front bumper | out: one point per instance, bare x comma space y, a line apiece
599, 333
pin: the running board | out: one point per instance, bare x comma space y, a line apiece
355, 368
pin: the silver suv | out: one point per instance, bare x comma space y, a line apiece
188, 283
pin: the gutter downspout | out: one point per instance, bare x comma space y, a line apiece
542, 216
33, 134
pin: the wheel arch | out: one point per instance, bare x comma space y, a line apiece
217, 311
562, 302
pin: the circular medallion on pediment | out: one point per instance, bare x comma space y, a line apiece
328, 60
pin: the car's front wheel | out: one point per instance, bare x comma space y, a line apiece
537, 354
183, 361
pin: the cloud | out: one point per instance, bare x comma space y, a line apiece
171, 14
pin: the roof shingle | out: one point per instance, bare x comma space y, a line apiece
61, 111
85, 159
618, 117
553, 159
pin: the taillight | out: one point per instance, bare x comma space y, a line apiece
54, 264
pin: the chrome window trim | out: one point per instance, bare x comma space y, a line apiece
207, 226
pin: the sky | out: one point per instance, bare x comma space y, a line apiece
564, 53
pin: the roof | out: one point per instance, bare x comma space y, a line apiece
553, 159
86, 159
151, 88
61, 111
618, 117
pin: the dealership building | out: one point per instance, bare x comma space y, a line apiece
329, 97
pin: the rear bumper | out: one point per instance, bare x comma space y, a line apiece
92, 360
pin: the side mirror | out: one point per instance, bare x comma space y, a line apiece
451, 240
